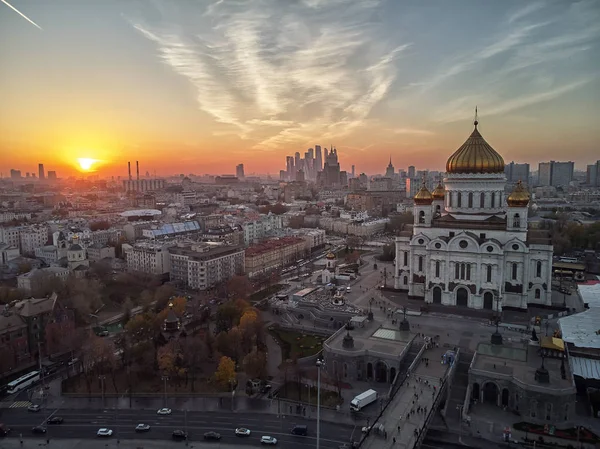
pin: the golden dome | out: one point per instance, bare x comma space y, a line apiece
330, 255
519, 196
439, 192
423, 196
475, 156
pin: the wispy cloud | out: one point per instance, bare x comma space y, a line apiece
277, 73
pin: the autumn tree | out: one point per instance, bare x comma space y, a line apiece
194, 353
8, 295
225, 374
255, 364
142, 327
167, 358
352, 257
162, 295
178, 304
239, 287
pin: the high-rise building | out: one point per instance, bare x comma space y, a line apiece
239, 171
516, 172
318, 158
390, 171
297, 161
15, 174
52, 174
593, 175
411, 171
41, 174
557, 174
353, 172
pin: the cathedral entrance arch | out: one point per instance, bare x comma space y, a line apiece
488, 301
369, 370
437, 295
462, 297
490, 393
381, 372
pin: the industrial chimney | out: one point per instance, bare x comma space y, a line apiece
129, 169
137, 169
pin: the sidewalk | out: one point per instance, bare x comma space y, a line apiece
29, 443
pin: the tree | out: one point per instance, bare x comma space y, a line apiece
225, 374
179, 305
255, 364
99, 225
142, 327
227, 316
167, 359
162, 295
239, 287
194, 352
8, 295
352, 257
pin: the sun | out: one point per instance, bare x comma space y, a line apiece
86, 163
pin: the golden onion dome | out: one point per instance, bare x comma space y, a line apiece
330, 255
519, 196
439, 192
423, 196
475, 156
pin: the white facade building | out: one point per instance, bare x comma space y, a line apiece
256, 230
470, 246
145, 257
33, 237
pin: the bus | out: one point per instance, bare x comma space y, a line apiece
23, 382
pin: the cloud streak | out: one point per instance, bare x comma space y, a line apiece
278, 74
21, 14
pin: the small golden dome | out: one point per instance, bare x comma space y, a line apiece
519, 196
423, 196
475, 156
439, 192
330, 255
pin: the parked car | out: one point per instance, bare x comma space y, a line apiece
34, 408
55, 420
104, 432
179, 435
39, 429
142, 428
242, 432
164, 411
268, 440
212, 436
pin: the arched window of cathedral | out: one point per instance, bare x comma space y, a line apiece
538, 269
514, 271
493, 199
457, 271
463, 270
470, 199
468, 272
482, 200
450, 194
437, 268
489, 274
405, 258
538, 293
459, 199
422, 217
420, 263
405, 280
516, 221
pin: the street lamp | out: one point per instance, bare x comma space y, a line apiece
460, 420
164, 379
319, 365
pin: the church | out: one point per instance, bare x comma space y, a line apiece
470, 245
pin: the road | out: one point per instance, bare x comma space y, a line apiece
85, 424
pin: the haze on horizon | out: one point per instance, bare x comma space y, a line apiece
202, 87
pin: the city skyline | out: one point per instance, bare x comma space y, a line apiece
202, 89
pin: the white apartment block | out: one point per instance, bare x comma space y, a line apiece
8, 253
97, 251
5, 217
202, 265
29, 281
368, 228
33, 237
145, 257
256, 230
50, 253
11, 235
105, 236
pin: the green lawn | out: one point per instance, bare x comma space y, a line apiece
297, 343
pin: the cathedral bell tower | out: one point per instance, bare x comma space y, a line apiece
518, 203
423, 209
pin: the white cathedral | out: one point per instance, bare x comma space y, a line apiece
470, 245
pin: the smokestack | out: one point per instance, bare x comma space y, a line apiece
129, 169
137, 169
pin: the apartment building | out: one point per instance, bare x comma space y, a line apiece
31, 280
274, 254
148, 257
258, 229
8, 252
105, 236
98, 251
134, 231
32, 237
203, 265
10, 235
50, 254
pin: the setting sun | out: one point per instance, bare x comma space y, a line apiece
86, 163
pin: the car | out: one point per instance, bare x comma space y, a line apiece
268, 440
55, 420
142, 428
242, 432
212, 436
104, 432
164, 411
39, 429
179, 435
34, 408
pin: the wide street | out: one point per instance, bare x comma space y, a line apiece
85, 423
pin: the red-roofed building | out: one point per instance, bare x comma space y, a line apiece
273, 254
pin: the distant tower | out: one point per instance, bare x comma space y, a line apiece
137, 170
41, 174
239, 171
318, 158
129, 170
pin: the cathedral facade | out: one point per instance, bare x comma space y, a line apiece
470, 245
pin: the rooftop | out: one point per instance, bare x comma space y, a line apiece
520, 361
201, 253
590, 294
35, 306
272, 244
582, 329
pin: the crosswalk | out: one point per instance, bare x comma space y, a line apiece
20, 404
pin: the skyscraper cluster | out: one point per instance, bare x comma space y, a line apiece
318, 165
